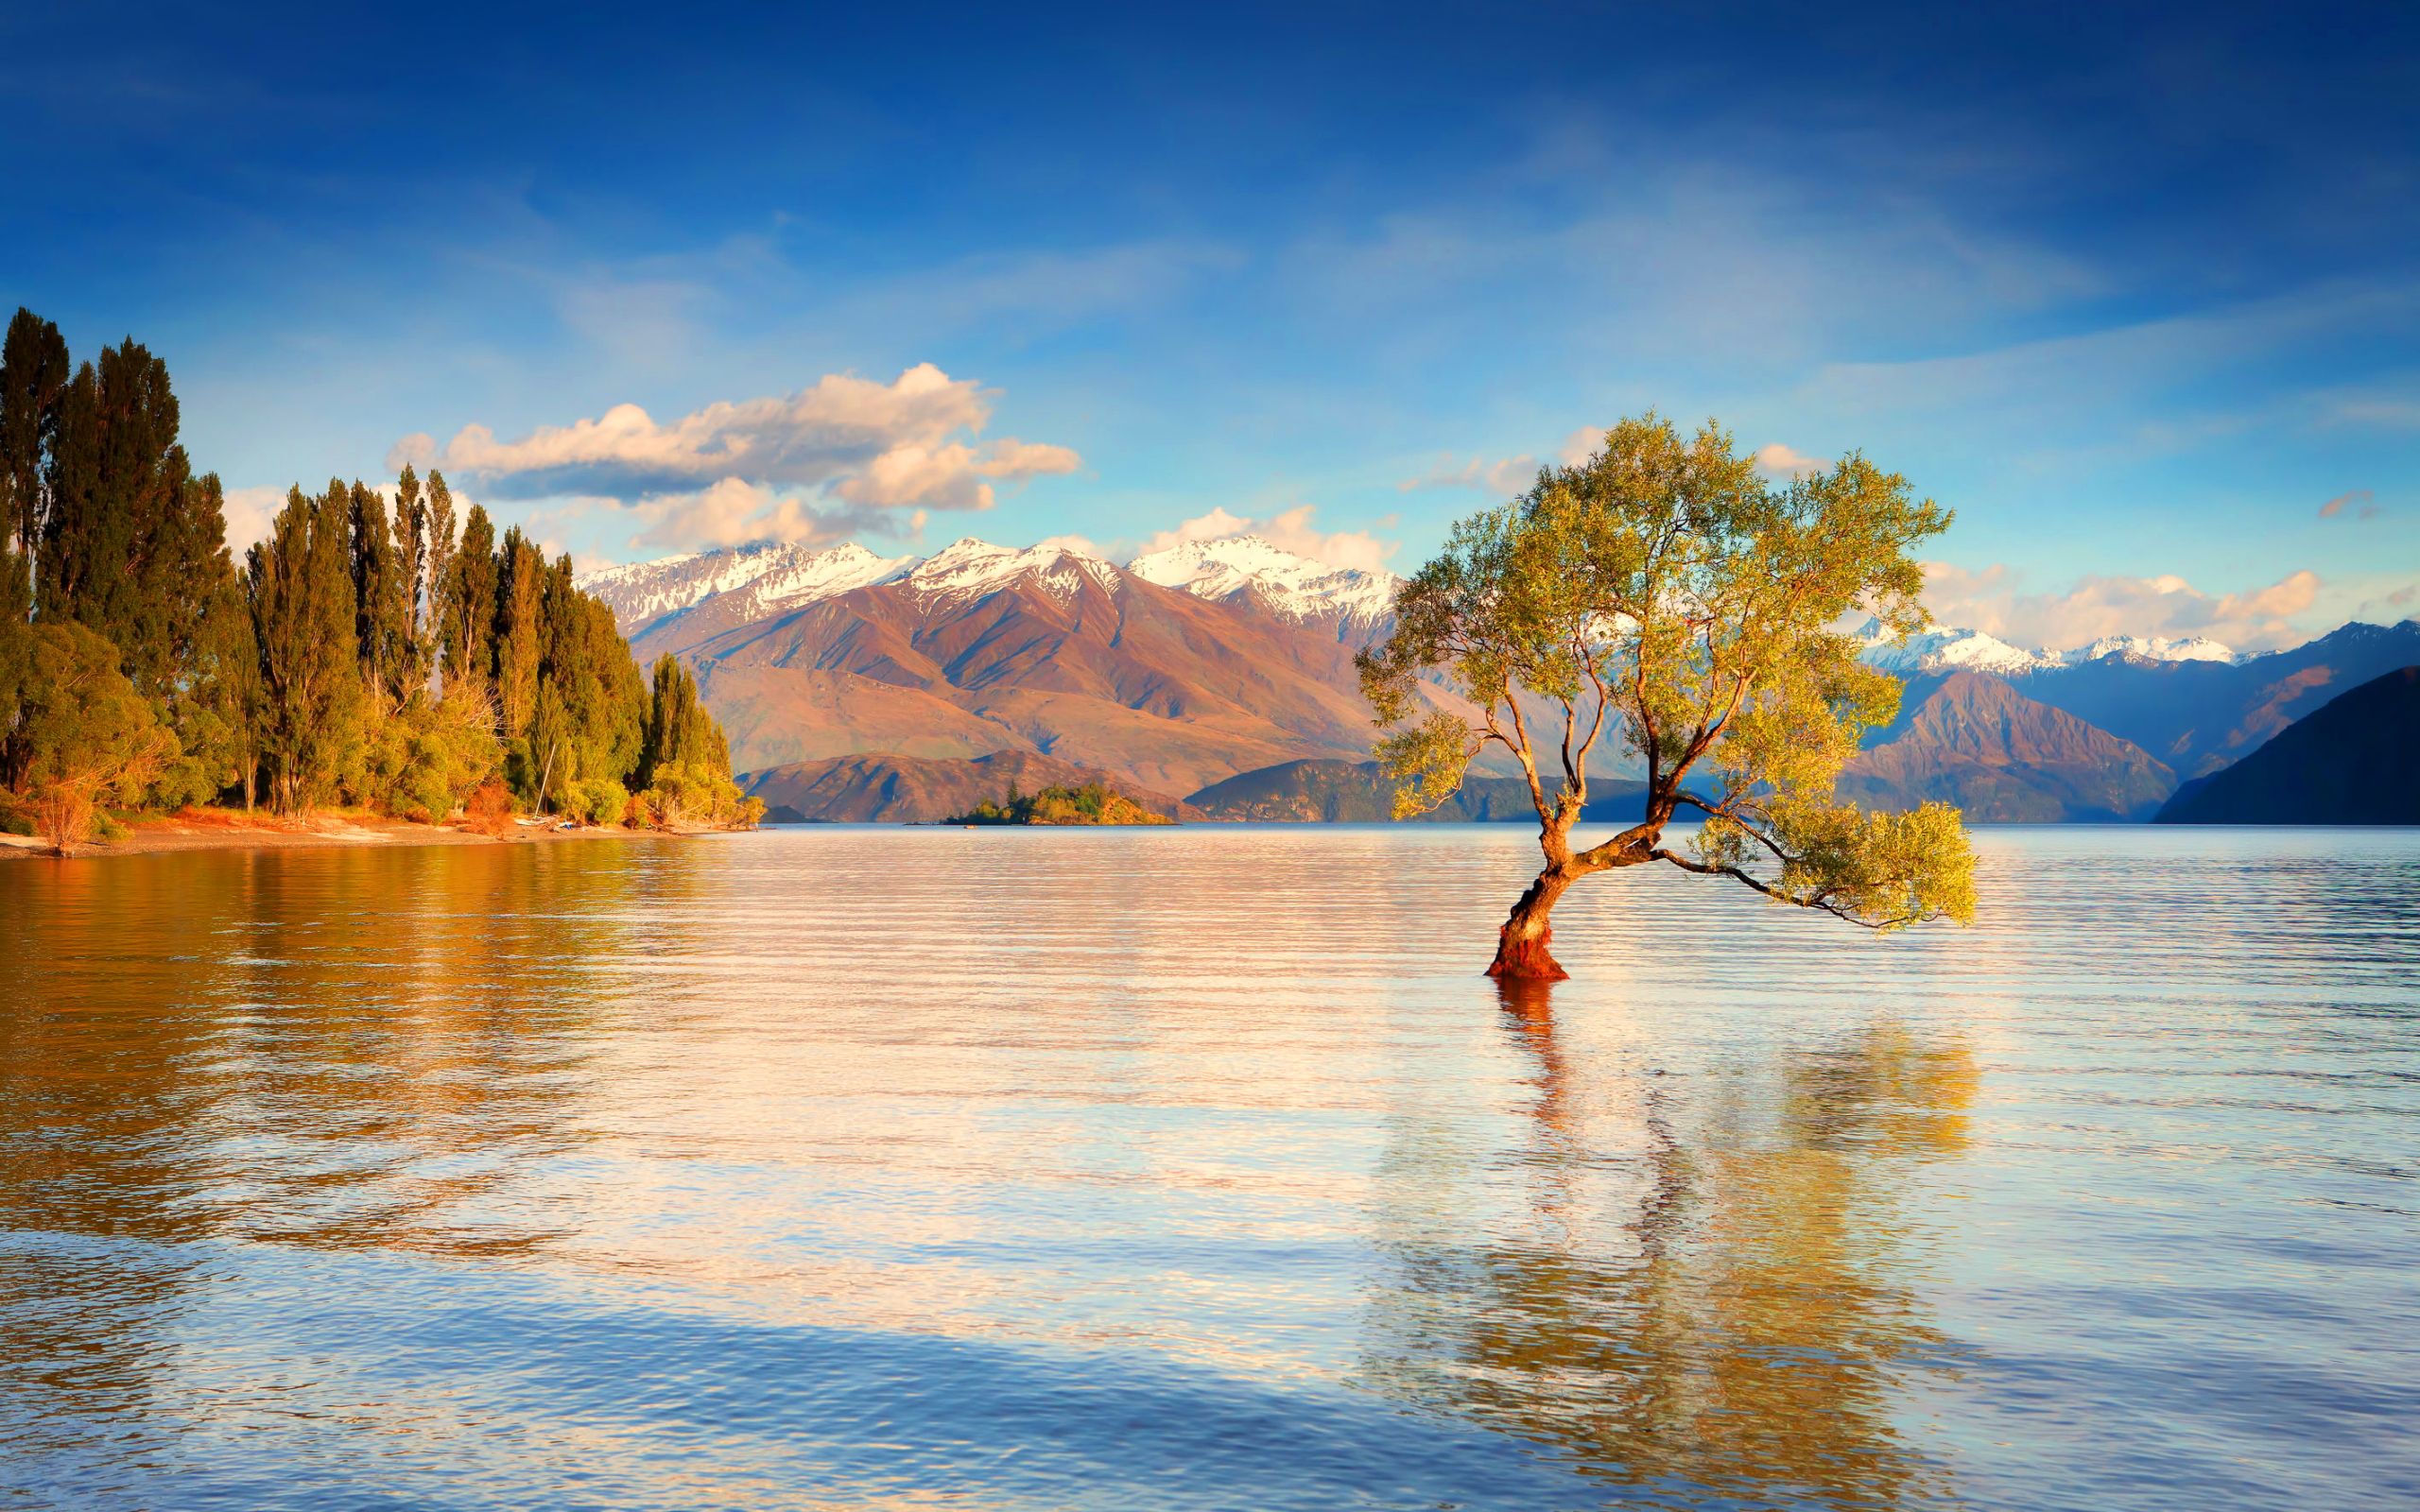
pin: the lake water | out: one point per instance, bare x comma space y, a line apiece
1200, 1168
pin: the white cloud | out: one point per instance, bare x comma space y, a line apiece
1512, 475
734, 512
1579, 445
250, 513
844, 454
1288, 530
1775, 460
1501, 479
1992, 600
904, 443
2344, 501
1081, 545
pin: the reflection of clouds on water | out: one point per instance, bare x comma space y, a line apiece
1703, 1291
1189, 1168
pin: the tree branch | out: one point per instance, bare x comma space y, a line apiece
1659, 853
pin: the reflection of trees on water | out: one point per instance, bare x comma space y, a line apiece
1725, 1313
338, 1051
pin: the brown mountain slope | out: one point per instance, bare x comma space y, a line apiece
2357, 761
884, 788
775, 714
1974, 741
1102, 669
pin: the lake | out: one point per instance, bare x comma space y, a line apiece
846, 1168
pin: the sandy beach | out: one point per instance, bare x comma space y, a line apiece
221, 830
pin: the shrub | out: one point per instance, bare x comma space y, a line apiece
488, 809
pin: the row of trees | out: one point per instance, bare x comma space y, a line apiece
394, 657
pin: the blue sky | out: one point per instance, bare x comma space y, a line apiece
2137, 294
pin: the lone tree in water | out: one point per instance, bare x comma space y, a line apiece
1663, 590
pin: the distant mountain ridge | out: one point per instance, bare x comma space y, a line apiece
1207, 660
772, 578
1971, 739
2356, 760
980, 648
1947, 649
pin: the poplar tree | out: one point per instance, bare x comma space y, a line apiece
410, 558
123, 548
520, 588
470, 605
298, 585
33, 377
377, 635
437, 574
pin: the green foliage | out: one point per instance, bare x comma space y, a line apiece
321, 664
89, 737
679, 729
681, 796
597, 800
425, 762
1664, 590
300, 586
1092, 803
519, 644
467, 634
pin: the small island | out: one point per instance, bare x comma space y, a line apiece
1092, 803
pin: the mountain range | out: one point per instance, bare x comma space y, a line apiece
2356, 760
1230, 662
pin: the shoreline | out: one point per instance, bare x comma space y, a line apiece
215, 829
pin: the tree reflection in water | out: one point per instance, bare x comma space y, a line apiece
1730, 1311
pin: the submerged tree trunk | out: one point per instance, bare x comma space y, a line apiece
1522, 945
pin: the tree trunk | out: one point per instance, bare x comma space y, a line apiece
1521, 946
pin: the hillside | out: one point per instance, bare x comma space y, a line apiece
2354, 761
1338, 792
885, 789
982, 649
2198, 715
1230, 659
1973, 740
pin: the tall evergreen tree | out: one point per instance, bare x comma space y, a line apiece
112, 555
410, 556
204, 690
33, 373
33, 376
377, 635
439, 572
298, 584
519, 633
679, 730
470, 605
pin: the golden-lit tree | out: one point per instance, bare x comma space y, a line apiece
1664, 593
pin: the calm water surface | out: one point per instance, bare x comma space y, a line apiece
1199, 1168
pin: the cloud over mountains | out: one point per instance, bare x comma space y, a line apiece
845, 454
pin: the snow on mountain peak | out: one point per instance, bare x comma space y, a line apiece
2156, 649
769, 576
968, 568
1296, 587
1950, 649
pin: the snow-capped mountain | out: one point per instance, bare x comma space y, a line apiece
968, 568
644, 591
2157, 648
1962, 650
1294, 587
1949, 650
758, 582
